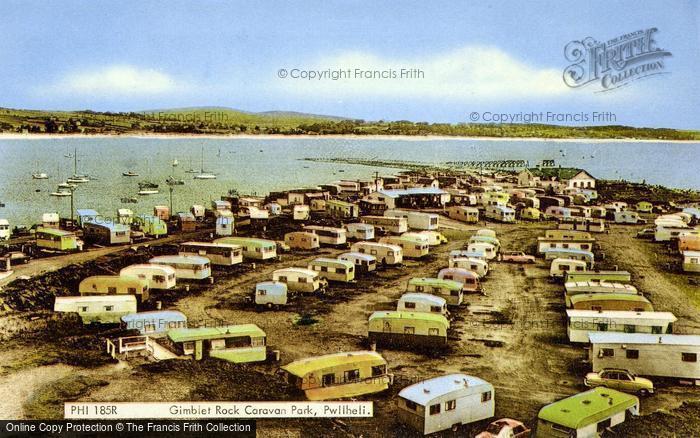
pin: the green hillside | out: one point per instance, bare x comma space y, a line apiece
221, 121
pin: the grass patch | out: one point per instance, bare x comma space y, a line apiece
47, 403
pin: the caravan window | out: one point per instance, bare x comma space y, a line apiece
352, 375
435, 409
111, 290
436, 309
409, 305
451, 405
82, 309
328, 379
607, 352
109, 308
433, 332
485, 396
302, 279
632, 354
131, 290
657, 330
262, 292
379, 370
157, 278
602, 327
629, 328
282, 278
409, 330
689, 357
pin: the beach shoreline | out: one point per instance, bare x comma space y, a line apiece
160, 136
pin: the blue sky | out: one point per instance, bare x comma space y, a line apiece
487, 57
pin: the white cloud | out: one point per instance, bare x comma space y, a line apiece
469, 73
117, 81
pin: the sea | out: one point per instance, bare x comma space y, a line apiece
260, 165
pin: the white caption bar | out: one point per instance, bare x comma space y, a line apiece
205, 410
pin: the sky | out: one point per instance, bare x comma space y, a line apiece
484, 57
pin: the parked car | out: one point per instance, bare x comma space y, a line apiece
621, 380
517, 257
17, 257
282, 247
515, 429
647, 233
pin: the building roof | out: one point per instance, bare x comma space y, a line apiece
691, 253
642, 338
111, 226
621, 314
195, 260
412, 191
423, 392
305, 366
587, 407
395, 314
432, 299
425, 281
201, 333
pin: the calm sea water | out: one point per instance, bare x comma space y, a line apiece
261, 165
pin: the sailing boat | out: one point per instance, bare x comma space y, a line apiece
39, 175
77, 178
202, 174
171, 180
130, 173
191, 169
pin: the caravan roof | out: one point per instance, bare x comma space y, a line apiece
193, 260
432, 299
96, 298
305, 366
302, 271
423, 392
642, 338
587, 407
622, 314
201, 333
395, 314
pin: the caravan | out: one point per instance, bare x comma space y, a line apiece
114, 285
420, 302
256, 249
303, 240
97, 309
416, 220
333, 269
582, 322
271, 293
386, 254
221, 254
364, 263
469, 215
186, 267
360, 231
408, 329
300, 279
449, 289
328, 235
469, 279
158, 276
441, 403
395, 225
339, 375
500, 213
412, 248
479, 266
561, 267
482, 249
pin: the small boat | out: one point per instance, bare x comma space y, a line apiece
78, 179
40, 175
129, 200
202, 174
146, 192
130, 173
61, 193
176, 163
147, 185
175, 182
205, 176
66, 185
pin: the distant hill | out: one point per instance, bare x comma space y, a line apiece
216, 120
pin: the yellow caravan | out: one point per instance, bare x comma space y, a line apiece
530, 214
469, 215
412, 248
333, 269
114, 285
302, 240
339, 375
59, 240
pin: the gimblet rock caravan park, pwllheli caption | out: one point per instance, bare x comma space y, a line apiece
350, 219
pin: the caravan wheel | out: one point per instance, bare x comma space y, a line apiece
269, 306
